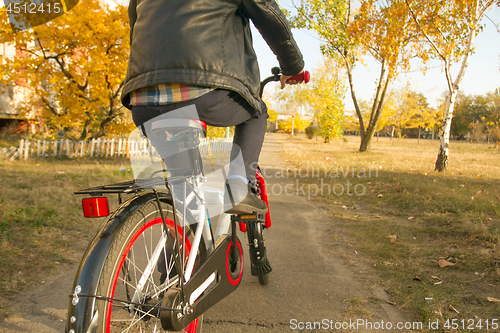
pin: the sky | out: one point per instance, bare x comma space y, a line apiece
482, 74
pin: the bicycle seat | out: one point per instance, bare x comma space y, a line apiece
183, 131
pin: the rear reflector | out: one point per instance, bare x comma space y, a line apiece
95, 207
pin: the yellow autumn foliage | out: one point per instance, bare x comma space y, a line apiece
72, 71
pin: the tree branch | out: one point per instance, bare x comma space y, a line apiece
377, 94
423, 32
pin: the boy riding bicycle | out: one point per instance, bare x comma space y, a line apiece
199, 52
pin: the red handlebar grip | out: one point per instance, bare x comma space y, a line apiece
301, 77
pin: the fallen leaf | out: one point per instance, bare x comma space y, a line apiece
444, 263
379, 196
411, 218
494, 300
452, 308
416, 278
378, 217
392, 238
436, 278
489, 219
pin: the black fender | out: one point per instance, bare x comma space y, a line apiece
81, 308
258, 253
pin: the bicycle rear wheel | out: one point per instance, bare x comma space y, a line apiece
139, 269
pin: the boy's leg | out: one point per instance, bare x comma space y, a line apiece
223, 108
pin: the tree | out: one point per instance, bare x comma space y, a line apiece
325, 96
381, 29
74, 67
330, 124
448, 30
407, 109
478, 116
322, 97
290, 101
494, 116
419, 114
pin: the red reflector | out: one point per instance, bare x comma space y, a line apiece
95, 207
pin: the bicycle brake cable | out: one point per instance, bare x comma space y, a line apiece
104, 298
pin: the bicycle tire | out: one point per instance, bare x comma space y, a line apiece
128, 260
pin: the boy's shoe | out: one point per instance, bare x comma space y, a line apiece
240, 198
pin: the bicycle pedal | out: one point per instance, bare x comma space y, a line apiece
249, 218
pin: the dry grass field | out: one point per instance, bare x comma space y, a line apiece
42, 227
433, 237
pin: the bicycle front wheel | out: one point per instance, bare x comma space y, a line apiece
139, 269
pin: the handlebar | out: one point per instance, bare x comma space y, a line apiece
305, 77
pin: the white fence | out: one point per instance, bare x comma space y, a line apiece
102, 148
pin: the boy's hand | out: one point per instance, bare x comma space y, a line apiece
284, 80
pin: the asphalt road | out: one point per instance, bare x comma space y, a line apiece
311, 281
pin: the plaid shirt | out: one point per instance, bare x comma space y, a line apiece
167, 94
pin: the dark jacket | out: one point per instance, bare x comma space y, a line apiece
205, 43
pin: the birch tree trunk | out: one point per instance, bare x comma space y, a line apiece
444, 151
444, 147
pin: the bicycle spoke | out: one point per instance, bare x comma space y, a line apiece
142, 274
139, 320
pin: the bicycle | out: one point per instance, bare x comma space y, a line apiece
153, 266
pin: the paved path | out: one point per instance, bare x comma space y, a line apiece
310, 282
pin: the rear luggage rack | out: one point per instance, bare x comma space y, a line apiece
133, 186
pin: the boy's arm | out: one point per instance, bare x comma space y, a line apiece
132, 16
274, 28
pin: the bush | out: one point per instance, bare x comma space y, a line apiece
299, 124
331, 124
311, 130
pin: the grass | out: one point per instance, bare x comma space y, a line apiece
452, 217
41, 222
